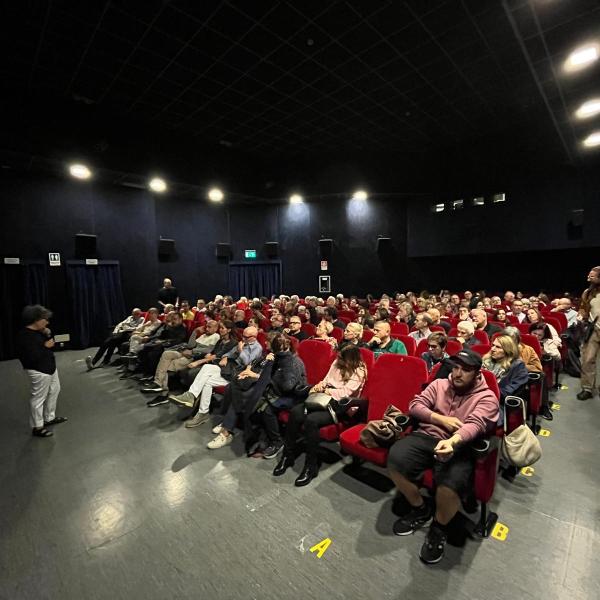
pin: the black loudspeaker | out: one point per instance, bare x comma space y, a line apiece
575, 225
223, 251
85, 246
384, 244
326, 247
166, 249
272, 249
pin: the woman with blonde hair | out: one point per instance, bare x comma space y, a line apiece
504, 361
352, 336
323, 333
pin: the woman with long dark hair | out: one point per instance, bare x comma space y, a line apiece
344, 380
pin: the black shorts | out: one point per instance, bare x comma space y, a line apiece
413, 455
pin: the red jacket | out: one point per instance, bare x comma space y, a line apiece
478, 409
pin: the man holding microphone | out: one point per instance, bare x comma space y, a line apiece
34, 350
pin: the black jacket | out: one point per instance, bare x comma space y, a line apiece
288, 374
33, 354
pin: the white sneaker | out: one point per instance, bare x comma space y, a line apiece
220, 441
217, 429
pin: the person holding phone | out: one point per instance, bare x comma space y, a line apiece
34, 350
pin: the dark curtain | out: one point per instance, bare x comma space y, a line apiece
96, 300
254, 279
26, 283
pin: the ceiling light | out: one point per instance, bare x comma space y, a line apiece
588, 109
458, 204
360, 195
215, 195
157, 184
438, 208
296, 199
592, 140
582, 57
80, 171
498, 198
479, 201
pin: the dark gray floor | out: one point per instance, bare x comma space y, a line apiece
124, 502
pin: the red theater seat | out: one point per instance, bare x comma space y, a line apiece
317, 357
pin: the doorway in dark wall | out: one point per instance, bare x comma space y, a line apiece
254, 279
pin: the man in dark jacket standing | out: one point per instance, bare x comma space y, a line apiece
34, 350
590, 311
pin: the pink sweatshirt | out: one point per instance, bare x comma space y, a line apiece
478, 409
350, 388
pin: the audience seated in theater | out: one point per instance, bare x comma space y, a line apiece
120, 334
565, 306
239, 319
323, 333
534, 316
167, 294
179, 358
517, 310
500, 316
303, 314
509, 298
144, 332
543, 332
200, 305
277, 323
480, 320
406, 314
212, 375
465, 334
343, 383
187, 314
382, 343
352, 336
464, 314
504, 361
330, 314
295, 329
382, 314
422, 323
436, 319
452, 414
172, 334
436, 350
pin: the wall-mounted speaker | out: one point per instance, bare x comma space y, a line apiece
326, 247
384, 244
223, 251
85, 245
272, 249
166, 249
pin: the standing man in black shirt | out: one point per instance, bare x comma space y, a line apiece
168, 294
34, 350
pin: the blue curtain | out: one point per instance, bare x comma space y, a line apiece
36, 283
254, 279
96, 301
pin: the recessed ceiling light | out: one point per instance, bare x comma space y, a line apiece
498, 198
588, 109
582, 57
360, 195
296, 199
215, 195
438, 207
458, 204
157, 184
479, 201
80, 171
592, 140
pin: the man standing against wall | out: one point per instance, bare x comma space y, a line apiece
590, 311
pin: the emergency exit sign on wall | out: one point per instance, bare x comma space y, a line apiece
250, 254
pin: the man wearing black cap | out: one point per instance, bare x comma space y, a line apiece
34, 350
452, 413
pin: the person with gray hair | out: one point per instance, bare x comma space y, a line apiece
34, 350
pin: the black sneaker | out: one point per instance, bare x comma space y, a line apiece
584, 395
546, 413
432, 550
158, 401
272, 450
152, 389
416, 518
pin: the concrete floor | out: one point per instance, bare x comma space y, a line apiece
124, 502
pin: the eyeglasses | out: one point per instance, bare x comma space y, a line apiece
247, 337
295, 323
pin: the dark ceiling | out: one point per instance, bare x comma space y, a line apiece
280, 79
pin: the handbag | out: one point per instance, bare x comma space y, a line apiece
520, 447
382, 433
321, 401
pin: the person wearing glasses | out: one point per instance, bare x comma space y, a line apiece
211, 376
277, 322
295, 329
436, 350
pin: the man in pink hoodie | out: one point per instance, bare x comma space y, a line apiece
452, 413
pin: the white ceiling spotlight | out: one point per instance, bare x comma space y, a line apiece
215, 195
588, 109
296, 199
360, 195
158, 185
582, 57
79, 171
592, 140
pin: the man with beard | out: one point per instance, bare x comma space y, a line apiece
452, 413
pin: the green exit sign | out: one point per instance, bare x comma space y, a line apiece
250, 253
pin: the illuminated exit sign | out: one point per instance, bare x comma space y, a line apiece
250, 254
